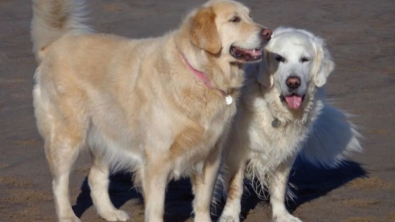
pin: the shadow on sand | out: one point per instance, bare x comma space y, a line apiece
179, 197
309, 181
121, 190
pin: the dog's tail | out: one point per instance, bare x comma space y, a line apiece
332, 139
53, 19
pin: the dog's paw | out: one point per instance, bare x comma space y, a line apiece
286, 218
116, 215
228, 218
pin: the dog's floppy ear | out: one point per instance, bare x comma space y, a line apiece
323, 64
265, 76
203, 31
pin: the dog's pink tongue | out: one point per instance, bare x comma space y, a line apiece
294, 101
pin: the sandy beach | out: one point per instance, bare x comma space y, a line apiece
360, 35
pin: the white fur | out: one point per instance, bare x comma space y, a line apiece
257, 150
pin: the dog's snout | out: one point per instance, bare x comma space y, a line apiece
266, 34
293, 82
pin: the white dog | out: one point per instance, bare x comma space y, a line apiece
283, 111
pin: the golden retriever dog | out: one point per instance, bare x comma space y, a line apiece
283, 112
158, 107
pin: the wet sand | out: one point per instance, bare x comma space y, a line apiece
360, 35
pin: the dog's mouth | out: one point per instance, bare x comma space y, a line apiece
294, 101
247, 55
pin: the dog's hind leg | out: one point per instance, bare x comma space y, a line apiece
62, 150
278, 184
98, 183
62, 124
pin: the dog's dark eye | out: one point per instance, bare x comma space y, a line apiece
235, 19
279, 58
250, 15
304, 59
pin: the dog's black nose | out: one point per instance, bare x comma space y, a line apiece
293, 82
266, 34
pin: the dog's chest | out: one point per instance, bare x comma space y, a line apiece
196, 141
206, 130
273, 145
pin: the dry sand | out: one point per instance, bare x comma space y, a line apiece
361, 37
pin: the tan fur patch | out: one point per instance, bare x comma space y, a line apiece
203, 31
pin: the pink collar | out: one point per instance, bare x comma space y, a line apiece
201, 75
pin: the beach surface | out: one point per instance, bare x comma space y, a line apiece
360, 35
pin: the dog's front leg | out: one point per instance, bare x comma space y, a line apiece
155, 174
203, 186
234, 184
278, 184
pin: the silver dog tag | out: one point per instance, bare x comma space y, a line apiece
276, 123
228, 99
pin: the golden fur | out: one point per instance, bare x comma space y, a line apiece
135, 104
